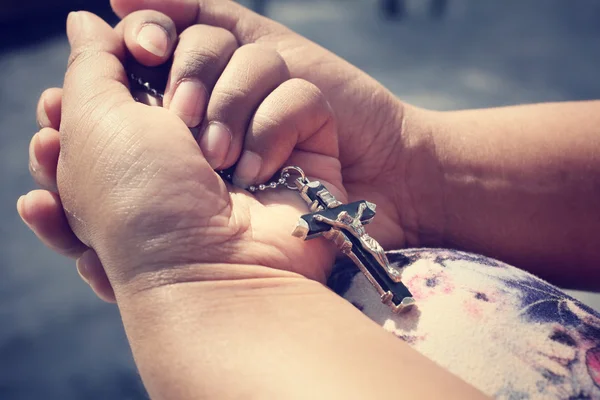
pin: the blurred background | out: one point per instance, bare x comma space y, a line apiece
57, 341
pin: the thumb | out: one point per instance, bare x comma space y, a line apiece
95, 79
246, 25
132, 179
95, 83
95, 63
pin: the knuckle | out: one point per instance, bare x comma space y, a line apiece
271, 129
206, 58
197, 62
78, 57
230, 96
143, 17
254, 63
225, 38
257, 50
265, 122
262, 54
310, 94
213, 36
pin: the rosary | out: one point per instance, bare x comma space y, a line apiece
343, 224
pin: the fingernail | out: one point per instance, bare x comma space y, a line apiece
214, 143
247, 169
153, 39
34, 164
42, 138
43, 120
73, 25
189, 102
82, 269
20, 205
22, 209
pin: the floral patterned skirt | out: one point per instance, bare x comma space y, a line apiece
501, 329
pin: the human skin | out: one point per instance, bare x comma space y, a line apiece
516, 183
197, 263
156, 299
358, 160
521, 184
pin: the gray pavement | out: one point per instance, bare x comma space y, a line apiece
57, 341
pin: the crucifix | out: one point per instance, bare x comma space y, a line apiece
344, 224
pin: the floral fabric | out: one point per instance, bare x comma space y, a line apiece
503, 330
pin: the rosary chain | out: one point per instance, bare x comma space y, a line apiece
146, 86
282, 181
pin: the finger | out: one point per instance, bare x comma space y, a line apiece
43, 213
95, 81
201, 56
95, 92
90, 269
246, 25
44, 150
48, 108
296, 115
150, 36
252, 73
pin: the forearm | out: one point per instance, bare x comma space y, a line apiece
279, 338
521, 184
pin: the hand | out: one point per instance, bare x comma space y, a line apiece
375, 144
187, 55
138, 191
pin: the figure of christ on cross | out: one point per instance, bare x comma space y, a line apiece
354, 226
344, 224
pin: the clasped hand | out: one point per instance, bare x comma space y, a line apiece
138, 194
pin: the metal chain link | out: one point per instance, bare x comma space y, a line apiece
146, 86
282, 181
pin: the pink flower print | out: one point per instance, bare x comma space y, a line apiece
592, 360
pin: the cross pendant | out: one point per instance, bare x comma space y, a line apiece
344, 225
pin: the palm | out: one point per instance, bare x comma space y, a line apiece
266, 222
261, 224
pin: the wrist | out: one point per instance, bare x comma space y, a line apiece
219, 330
214, 275
421, 198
